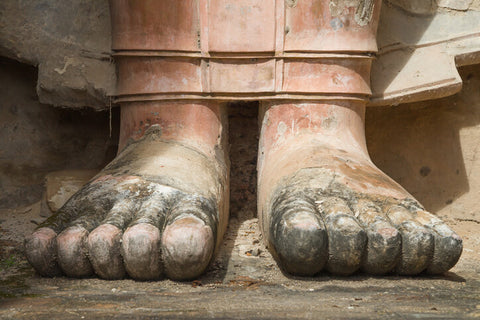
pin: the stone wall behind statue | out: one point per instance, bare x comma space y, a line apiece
58, 54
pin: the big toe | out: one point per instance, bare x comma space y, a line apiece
298, 235
187, 247
300, 242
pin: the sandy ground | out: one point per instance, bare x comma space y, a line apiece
243, 282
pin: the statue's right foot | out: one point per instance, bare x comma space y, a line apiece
159, 208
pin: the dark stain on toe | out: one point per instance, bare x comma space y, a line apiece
297, 234
346, 243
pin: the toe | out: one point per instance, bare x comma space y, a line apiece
188, 241
448, 245
141, 251
187, 247
41, 252
141, 242
72, 252
104, 242
298, 236
104, 252
346, 238
80, 214
41, 246
417, 242
384, 243
72, 248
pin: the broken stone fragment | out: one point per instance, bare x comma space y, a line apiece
61, 185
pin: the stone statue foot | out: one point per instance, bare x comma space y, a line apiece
325, 206
159, 208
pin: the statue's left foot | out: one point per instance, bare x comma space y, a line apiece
325, 206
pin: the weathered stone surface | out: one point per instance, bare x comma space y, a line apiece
69, 42
455, 4
419, 54
475, 5
36, 139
